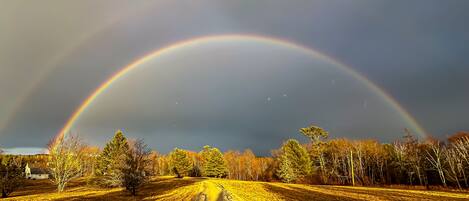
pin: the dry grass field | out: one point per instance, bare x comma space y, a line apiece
194, 189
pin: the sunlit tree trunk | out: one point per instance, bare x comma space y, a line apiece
435, 159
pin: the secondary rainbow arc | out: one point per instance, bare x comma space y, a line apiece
200, 40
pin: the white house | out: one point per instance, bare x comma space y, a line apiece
35, 173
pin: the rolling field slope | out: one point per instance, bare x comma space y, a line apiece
195, 189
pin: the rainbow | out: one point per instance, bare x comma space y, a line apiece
216, 38
54, 62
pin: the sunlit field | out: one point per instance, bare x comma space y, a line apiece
169, 188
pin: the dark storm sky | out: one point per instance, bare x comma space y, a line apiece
53, 54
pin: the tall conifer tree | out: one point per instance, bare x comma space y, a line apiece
294, 161
110, 161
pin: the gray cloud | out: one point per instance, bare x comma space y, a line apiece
415, 50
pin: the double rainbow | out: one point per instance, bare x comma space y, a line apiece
218, 38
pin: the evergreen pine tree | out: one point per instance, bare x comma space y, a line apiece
110, 161
285, 171
213, 163
181, 163
135, 168
317, 136
294, 161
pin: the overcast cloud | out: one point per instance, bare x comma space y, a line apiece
53, 54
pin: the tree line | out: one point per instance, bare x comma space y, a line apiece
339, 161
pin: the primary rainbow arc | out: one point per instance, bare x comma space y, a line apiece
200, 40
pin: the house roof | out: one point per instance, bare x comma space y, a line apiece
39, 171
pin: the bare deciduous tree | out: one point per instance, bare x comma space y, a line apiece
461, 149
435, 157
65, 159
452, 161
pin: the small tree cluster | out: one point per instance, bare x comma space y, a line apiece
160, 164
406, 161
124, 164
247, 166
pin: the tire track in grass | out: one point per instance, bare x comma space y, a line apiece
213, 191
202, 195
224, 195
